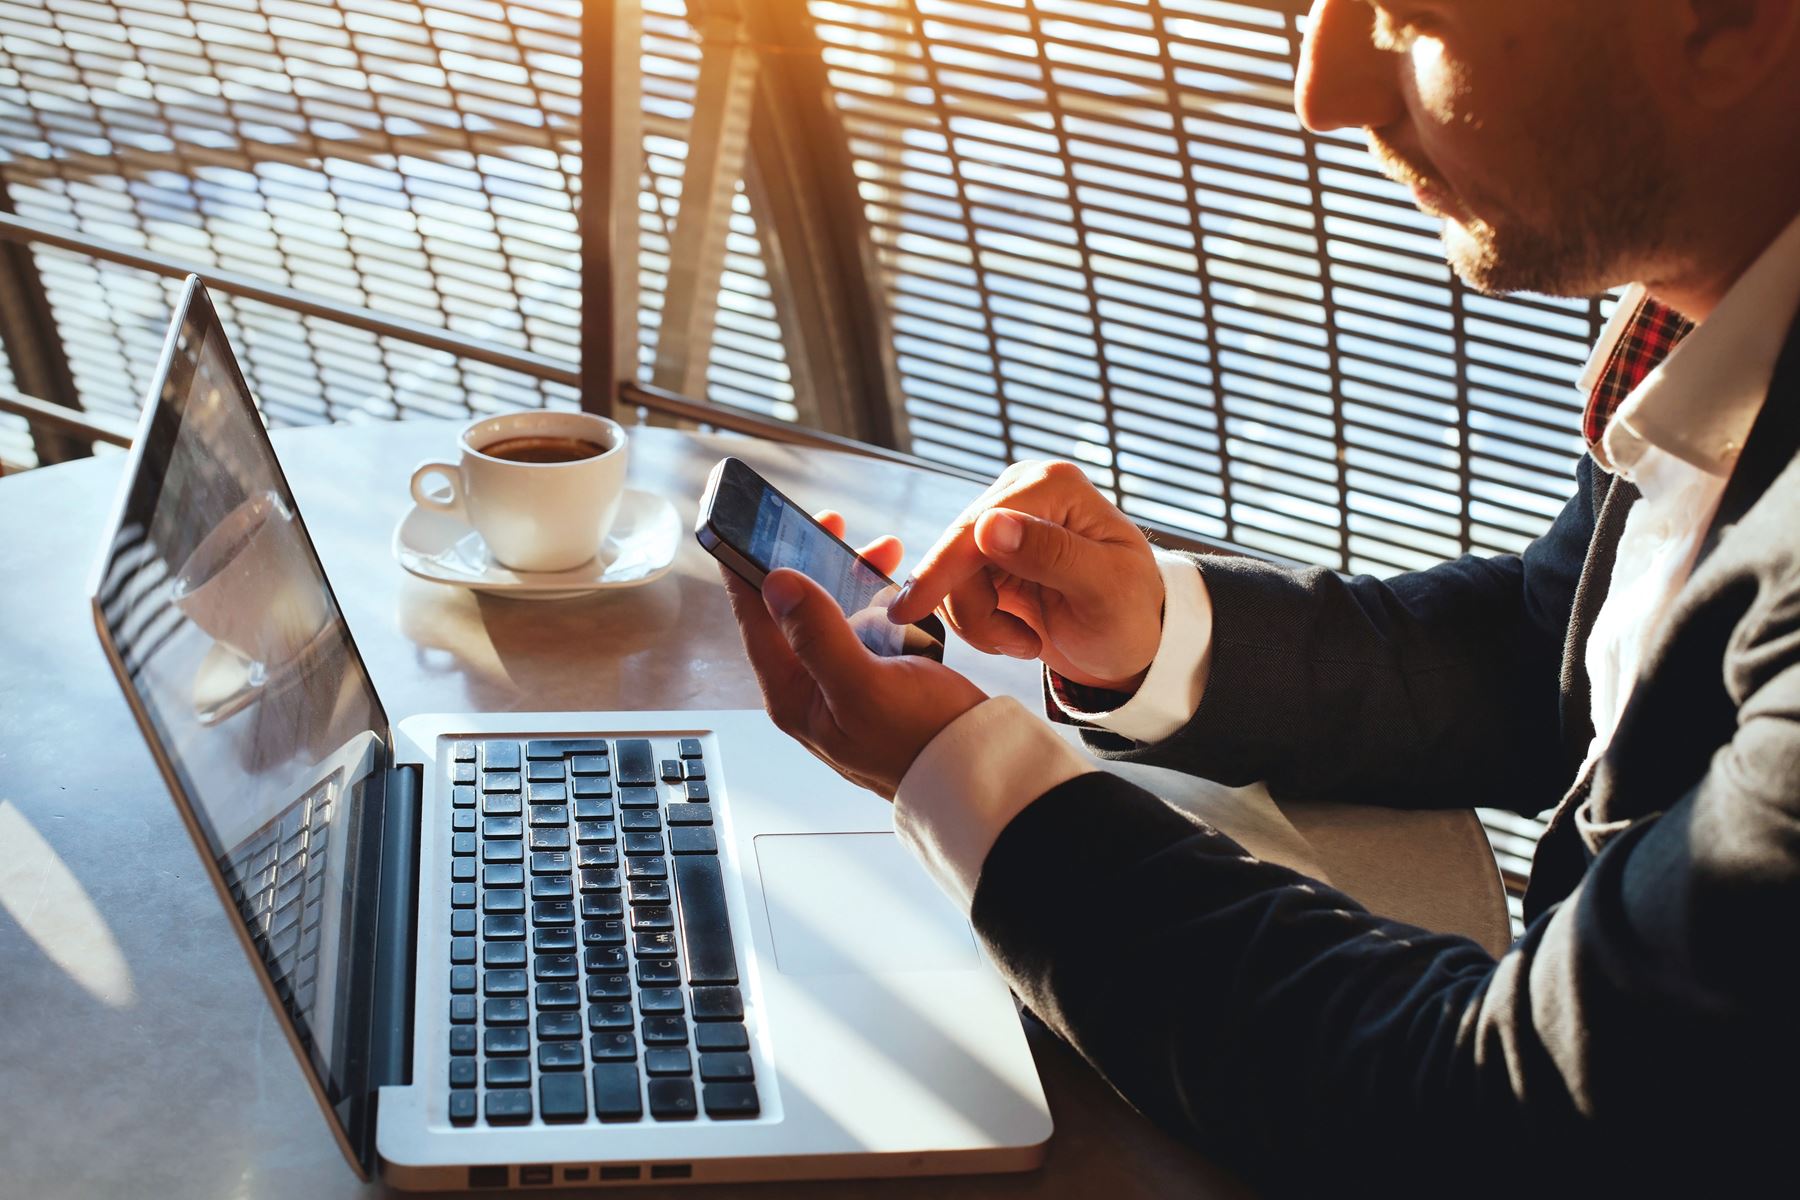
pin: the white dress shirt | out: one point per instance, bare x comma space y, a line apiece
1676, 437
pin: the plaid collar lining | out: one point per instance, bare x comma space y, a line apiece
1648, 338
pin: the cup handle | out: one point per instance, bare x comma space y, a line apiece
450, 474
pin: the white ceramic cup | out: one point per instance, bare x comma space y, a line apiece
534, 516
250, 585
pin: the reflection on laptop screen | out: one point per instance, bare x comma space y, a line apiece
233, 645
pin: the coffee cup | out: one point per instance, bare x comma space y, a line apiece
542, 488
250, 586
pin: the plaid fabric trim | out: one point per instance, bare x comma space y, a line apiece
1650, 337
1080, 698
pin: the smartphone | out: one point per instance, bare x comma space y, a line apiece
752, 528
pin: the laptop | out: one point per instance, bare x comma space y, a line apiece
516, 950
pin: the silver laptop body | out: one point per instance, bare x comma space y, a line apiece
729, 970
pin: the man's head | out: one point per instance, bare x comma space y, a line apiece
1572, 145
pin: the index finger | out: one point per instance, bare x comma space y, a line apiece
953, 558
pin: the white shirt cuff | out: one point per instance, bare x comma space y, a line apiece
1170, 694
982, 770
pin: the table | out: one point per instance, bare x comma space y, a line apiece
137, 1053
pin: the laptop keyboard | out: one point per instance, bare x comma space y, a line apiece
277, 878
592, 970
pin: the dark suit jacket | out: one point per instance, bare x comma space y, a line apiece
1646, 1027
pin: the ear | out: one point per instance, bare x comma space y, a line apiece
1732, 47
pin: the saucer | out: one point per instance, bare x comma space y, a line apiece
445, 549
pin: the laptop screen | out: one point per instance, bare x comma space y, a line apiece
241, 666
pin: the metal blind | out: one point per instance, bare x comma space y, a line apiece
1105, 237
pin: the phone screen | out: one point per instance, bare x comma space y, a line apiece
784, 536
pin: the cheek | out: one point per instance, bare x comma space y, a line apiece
1440, 85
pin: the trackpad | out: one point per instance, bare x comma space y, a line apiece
857, 904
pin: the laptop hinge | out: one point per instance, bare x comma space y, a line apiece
396, 930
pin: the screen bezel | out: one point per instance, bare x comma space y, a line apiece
351, 1117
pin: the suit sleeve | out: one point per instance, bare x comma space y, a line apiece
1383, 691
1285, 1029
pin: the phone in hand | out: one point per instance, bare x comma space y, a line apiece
748, 525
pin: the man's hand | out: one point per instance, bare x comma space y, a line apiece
1043, 565
865, 716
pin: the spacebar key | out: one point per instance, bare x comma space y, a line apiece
701, 887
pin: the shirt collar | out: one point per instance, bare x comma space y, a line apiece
1655, 379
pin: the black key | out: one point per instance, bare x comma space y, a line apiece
696, 791
593, 833
616, 1094
506, 982
463, 820
500, 852
462, 922
718, 1004
665, 1031
502, 875
636, 761
552, 887
721, 1037
553, 912
502, 827
672, 1099
601, 906
462, 980
643, 843
549, 814
659, 1000
503, 929
667, 1060
462, 843
506, 1043
462, 1039
462, 751
462, 797
508, 1010
493, 782
557, 747
505, 900
589, 764
612, 1045
693, 768
604, 959
462, 870
688, 747
610, 1015
462, 773
693, 839
707, 928
658, 972
655, 945
462, 950
640, 820
500, 756
549, 839
650, 891
559, 1027
726, 1068
546, 793
507, 1073
462, 1108
510, 1107
501, 806
596, 787
462, 1010
592, 856
671, 769
603, 933
690, 814
651, 918
555, 997
551, 862
561, 1056
609, 987
563, 1097
590, 808
545, 772
600, 880
556, 966
730, 1100
503, 954
638, 797
553, 941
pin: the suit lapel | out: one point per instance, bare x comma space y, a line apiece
1771, 446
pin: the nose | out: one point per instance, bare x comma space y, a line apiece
1344, 80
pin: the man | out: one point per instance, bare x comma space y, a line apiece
1637, 669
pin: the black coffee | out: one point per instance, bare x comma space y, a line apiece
543, 449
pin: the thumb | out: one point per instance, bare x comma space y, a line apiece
1042, 552
817, 632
